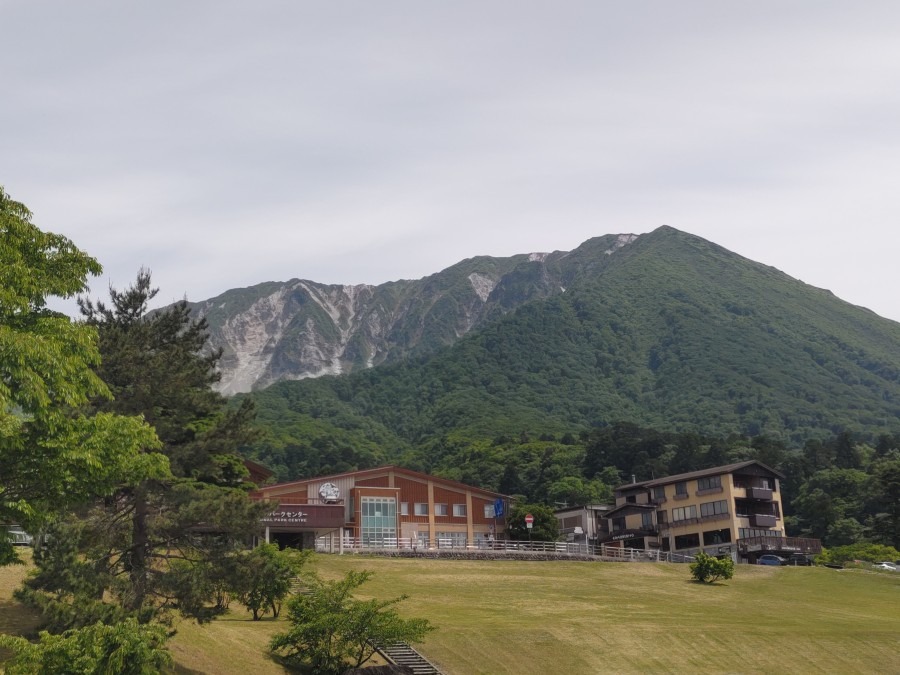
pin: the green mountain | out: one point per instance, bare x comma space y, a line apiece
665, 330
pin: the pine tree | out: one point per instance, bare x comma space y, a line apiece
158, 544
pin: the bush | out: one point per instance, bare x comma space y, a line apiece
127, 648
860, 551
707, 569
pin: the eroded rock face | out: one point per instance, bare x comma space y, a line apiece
301, 328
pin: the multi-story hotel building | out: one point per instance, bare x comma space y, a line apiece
385, 506
726, 510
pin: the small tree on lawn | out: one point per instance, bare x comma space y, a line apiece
707, 569
332, 631
264, 575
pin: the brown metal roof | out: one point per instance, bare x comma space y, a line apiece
379, 470
713, 471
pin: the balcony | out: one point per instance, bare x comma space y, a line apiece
781, 545
762, 520
763, 494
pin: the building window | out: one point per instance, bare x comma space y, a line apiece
488, 510
659, 492
631, 499
459, 510
765, 483
747, 532
379, 520
687, 541
421, 509
647, 519
404, 508
422, 537
662, 517
618, 524
440, 509
684, 513
709, 483
451, 539
713, 508
681, 489
714, 537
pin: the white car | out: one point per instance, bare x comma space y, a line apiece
18, 536
886, 566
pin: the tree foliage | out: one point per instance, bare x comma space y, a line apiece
709, 569
331, 631
263, 577
157, 543
125, 648
544, 528
53, 454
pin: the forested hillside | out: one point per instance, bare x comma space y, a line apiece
711, 356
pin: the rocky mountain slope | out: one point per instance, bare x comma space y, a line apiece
300, 329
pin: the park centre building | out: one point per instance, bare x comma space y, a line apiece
725, 510
388, 505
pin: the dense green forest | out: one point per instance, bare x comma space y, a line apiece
672, 355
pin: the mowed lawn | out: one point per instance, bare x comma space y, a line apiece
560, 617
543, 617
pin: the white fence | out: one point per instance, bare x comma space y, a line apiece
350, 544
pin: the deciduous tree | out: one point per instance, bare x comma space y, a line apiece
332, 631
52, 454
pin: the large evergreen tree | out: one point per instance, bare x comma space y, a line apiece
159, 543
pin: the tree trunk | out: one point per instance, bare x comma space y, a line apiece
139, 550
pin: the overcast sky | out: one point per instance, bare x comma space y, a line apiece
223, 144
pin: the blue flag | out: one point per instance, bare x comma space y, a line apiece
498, 508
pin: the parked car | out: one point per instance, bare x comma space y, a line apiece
886, 566
771, 559
18, 536
800, 559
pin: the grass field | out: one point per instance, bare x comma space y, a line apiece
543, 617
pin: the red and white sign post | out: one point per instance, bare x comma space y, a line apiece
529, 523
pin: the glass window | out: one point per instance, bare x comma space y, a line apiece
459, 510
681, 488
687, 541
662, 516
404, 508
451, 539
684, 513
421, 509
714, 537
709, 483
378, 526
440, 509
713, 508
488, 510
659, 492
647, 519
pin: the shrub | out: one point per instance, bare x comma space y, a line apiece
707, 569
860, 551
126, 648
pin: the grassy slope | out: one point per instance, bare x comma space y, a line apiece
508, 617
519, 617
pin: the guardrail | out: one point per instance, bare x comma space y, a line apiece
562, 548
